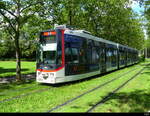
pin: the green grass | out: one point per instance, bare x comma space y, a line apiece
8, 68
125, 100
134, 97
84, 103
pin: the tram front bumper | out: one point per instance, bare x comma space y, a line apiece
45, 77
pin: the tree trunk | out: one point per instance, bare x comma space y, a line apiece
17, 35
70, 12
70, 17
18, 63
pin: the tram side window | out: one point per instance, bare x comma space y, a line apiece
75, 58
82, 51
89, 52
71, 55
98, 54
122, 56
95, 56
129, 57
72, 44
89, 56
133, 57
108, 55
68, 55
111, 56
114, 57
102, 55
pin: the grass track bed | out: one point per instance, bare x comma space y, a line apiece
84, 103
90, 90
132, 98
43, 101
21, 93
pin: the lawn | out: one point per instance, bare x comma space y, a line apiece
134, 97
8, 68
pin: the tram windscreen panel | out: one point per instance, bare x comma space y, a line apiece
49, 57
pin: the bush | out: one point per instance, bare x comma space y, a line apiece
142, 58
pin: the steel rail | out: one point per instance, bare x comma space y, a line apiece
26, 94
91, 90
112, 93
16, 90
44, 89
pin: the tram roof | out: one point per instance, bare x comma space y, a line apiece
88, 35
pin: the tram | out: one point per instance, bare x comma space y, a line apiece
66, 54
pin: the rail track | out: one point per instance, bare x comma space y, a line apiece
91, 90
79, 96
16, 90
20, 89
26, 94
106, 98
45, 89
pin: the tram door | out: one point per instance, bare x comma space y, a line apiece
102, 58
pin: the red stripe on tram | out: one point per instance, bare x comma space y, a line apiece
63, 48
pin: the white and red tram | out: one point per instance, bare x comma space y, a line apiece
65, 55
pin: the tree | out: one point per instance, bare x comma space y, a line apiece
147, 15
109, 19
15, 15
6, 46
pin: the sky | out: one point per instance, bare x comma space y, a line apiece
136, 8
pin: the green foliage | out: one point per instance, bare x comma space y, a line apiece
20, 26
142, 58
112, 20
147, 43
147, 15
109, 19
6, 46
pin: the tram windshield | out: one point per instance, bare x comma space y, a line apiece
48, 57
48, 51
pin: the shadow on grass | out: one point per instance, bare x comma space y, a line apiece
148, 67
11, 83
4, 87
12, 86
10, 70
147, 72
137, 101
